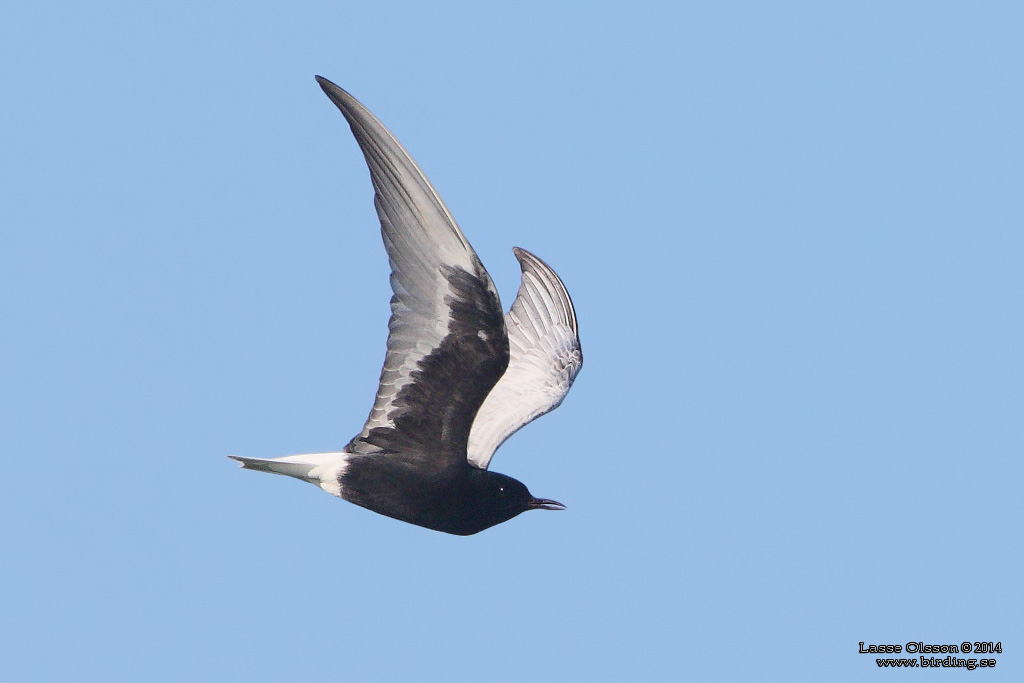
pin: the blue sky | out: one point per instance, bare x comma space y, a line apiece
793, 235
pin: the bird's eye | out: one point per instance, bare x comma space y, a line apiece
501, 489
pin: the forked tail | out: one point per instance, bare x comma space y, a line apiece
322, 469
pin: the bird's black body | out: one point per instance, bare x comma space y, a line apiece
460, 500
414, 467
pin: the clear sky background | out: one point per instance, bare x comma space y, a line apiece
793, 234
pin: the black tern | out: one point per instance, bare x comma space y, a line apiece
459, 377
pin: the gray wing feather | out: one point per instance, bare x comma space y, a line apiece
545, 357
425, 246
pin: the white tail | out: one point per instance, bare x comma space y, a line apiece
322, 469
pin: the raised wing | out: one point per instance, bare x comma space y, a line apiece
545, 358
447, 345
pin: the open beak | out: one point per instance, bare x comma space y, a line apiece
545, 504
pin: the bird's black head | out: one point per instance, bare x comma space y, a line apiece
499, 498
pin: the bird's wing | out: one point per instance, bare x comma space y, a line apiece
545, 358
447, 345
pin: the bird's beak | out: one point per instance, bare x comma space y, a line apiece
545, 504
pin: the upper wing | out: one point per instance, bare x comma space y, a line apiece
447, 345
545, 359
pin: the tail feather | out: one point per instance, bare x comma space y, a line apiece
293, 466
322, 469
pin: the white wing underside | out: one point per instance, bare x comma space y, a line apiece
545, 357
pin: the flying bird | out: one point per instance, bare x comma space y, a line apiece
459, 377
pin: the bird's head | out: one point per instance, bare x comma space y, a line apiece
504, 497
